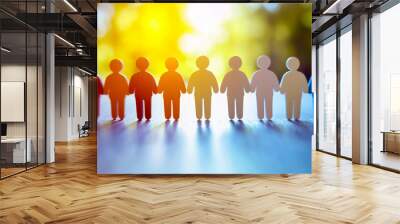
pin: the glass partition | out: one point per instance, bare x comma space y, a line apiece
385, 89
15, 150
327, 96
31, 97
41, 86
22, 78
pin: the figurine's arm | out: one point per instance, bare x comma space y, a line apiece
214, 83
253, 83
154, 85
182, 86
305, 84
246, 83
160, 88
190, 84
283, 84
125, 85
224, 84
275, 82
107, 86
132, 85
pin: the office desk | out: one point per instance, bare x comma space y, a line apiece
13, 150
391, 141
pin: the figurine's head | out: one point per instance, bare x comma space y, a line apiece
235, 62
293, 63
142, 63
263, 62
171, 64
202, 62
116, 65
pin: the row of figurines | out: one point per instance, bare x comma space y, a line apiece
264, 82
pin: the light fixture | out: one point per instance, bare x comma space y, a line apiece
337, 7
84, 71
5, 50
331, 7
79, 51
64, 40
70, 5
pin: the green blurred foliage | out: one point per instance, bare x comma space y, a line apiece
279, 30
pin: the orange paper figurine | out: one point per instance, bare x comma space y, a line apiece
171, 85
142, 84
116, 86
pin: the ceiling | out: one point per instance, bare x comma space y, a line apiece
74, 21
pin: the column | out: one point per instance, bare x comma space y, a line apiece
360, 90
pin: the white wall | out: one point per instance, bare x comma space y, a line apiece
62, 82
12, 73
71, 102
80, 110
33, 127
16, 73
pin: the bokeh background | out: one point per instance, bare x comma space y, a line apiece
218, 30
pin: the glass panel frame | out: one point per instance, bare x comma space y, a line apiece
26, 57
327, 96
14, 146
337, 141
384, 76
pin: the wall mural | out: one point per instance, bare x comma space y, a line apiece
204, 88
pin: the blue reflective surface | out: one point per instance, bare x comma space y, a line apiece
218, 146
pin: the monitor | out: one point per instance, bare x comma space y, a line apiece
3, 129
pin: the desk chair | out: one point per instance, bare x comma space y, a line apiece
84, 129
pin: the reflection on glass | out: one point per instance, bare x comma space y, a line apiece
14, 153
327, 96
22, 91
385, 84
31, 97
346, 94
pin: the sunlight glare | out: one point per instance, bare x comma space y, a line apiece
208, 18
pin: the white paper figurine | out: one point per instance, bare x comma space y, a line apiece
264, 82
236, 83
202, 81
293, 84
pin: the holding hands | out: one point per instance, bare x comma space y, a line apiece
203, 83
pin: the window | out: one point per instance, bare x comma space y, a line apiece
327, 96
346, 93
385, 89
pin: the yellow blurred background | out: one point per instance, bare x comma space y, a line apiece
218, 30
